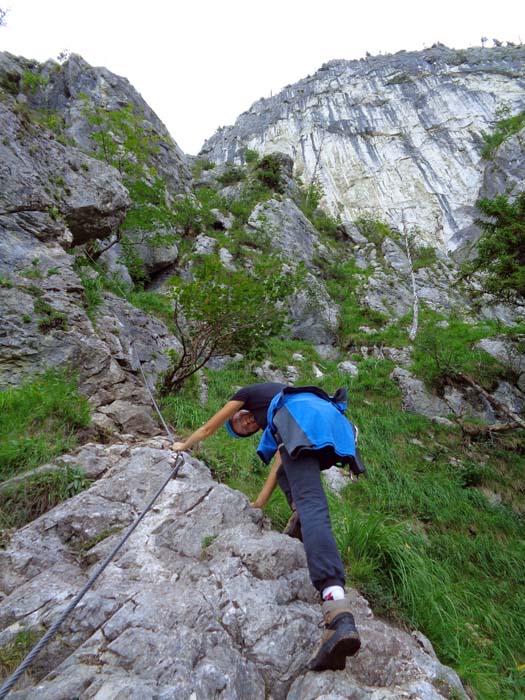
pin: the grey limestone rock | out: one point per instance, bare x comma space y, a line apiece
395, 138
289, 231
203, 600
416, 397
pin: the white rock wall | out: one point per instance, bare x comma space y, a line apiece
395, 138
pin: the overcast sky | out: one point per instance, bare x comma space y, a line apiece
200, 63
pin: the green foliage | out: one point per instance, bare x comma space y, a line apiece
343, 280
121, 139
502, 130
500, 251
38, 421
53, 121
268, 171
251, 156
5, 282
231, 175
423, 256
516, 684
309, 205
199, 165
51, 319
93, 286
193, 213
375, 231
133, 262
24, 501
31, 82
10, 82
253, 192
220, 312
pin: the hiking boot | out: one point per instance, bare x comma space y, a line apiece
340, 638
293, 527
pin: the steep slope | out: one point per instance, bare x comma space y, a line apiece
395, 138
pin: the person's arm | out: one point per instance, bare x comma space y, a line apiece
269, 485
211, 426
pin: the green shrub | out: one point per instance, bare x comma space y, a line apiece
199, 165
268, 171
423, 256
375, 231
31, 82
220, 312
231, 175
251, 156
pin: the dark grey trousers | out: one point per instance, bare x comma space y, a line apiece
300, 480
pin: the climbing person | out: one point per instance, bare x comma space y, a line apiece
306, 431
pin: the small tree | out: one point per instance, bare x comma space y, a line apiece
500, 251
2, 17
220, 312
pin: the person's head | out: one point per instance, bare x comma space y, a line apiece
242, 424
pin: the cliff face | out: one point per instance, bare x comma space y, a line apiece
55, 195
395, 138
207, 600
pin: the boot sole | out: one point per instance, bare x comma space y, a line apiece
334, 652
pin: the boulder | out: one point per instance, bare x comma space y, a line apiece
204, 600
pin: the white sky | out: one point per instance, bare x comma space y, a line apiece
200, 63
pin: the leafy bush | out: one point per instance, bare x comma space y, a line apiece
268, 171
201, 164
309, 205
251, 156
231, 175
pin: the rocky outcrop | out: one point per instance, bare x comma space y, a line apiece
204, 599
53, 196
395, 138
63, 90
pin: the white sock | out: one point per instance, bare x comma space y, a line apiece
333, 593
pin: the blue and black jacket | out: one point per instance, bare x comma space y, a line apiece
307, 418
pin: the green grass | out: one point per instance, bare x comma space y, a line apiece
418, 537
14, 652
38, 421
24, 501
